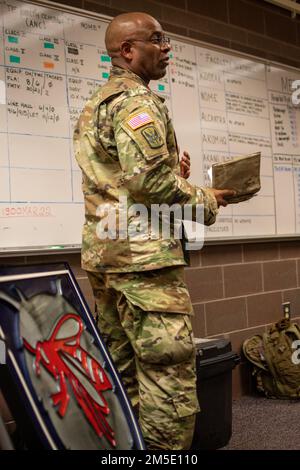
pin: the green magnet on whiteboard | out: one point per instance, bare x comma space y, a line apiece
105, 75
171, 56
48, 45
105, 58
15, 59
161, 87
14, 39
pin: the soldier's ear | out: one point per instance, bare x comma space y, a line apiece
126, 50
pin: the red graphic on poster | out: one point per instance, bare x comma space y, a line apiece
66, 360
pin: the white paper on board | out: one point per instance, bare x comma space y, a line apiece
2, 92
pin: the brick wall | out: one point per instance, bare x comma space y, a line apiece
237, 290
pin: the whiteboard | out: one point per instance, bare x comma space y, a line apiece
223, 105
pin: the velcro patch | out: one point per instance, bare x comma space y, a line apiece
153, 137
139, 120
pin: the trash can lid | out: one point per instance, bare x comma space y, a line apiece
209, 348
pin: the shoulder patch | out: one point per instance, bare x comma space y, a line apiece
139, 120
153, 137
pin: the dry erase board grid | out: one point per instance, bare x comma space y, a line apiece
222, 105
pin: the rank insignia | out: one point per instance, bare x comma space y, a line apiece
153, 137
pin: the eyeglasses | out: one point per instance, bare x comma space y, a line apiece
157, 40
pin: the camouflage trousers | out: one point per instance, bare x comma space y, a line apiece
144, 319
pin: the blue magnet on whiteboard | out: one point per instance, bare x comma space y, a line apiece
15, 59
13, 39
105, 58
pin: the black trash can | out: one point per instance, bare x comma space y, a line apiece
215, 361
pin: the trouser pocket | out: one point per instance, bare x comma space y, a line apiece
164, 338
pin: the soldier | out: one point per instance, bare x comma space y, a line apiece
126, 147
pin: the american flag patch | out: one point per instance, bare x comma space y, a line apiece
139, 120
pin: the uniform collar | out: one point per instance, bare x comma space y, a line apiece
125, 73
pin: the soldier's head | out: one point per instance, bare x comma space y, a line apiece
136, 41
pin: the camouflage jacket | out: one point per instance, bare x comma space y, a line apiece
126, 148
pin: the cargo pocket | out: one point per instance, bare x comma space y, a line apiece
162, 290
154, 311
164, 339
186, 404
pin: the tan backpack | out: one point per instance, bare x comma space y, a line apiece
275, 358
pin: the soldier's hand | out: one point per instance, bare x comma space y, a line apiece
185, 165
222, 194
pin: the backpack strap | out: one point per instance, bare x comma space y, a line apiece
253, 351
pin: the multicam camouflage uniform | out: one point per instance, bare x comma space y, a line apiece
126, 146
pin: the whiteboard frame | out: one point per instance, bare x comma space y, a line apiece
70, 249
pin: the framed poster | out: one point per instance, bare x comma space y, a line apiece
59, 379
